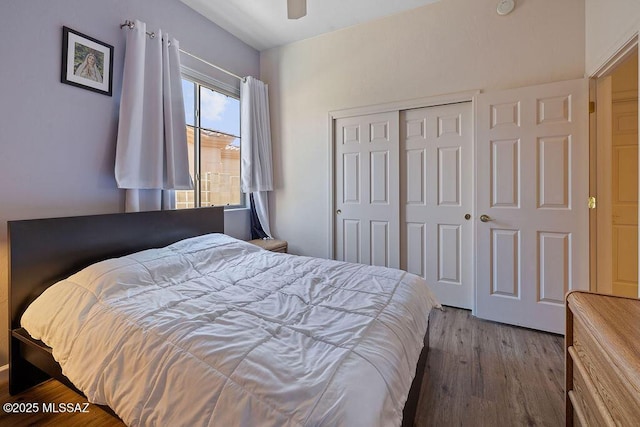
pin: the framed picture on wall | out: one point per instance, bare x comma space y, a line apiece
86, 62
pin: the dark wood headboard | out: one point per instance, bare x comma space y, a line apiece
44, 251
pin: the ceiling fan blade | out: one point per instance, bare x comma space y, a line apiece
296, 8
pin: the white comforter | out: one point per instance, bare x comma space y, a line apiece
215, 331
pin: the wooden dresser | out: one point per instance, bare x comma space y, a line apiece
602, 360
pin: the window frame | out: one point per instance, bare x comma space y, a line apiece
215, 85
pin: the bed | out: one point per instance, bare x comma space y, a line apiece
44, 252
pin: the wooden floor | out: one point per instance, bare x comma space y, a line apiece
481, 373
478, 374
52, 392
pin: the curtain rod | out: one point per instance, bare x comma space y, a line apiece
129, 24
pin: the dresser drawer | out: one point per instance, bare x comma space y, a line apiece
613, 390
578, 413
585, 398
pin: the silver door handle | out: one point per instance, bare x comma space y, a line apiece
485, 218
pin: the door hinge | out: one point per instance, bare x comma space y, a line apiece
592, 107
592, 202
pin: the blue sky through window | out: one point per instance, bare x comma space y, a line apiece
219, 112
187, 94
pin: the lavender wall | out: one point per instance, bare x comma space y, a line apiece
57, 142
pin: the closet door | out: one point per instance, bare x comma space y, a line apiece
367, 228
532, 188
436, 199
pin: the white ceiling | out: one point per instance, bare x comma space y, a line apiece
263, 24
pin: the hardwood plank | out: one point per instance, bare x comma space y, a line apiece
481, 373
54, 392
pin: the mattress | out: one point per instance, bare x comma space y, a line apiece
213, 331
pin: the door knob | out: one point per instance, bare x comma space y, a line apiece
485, 218
467, 217
339, 211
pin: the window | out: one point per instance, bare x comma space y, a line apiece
213, 137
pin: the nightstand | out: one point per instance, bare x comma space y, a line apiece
272, 245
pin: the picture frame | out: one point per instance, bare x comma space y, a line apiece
86, 62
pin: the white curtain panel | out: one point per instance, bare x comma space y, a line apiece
257, 171
149, 200
261, 205
151, 152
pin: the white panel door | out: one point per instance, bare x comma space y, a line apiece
436, 193
367, 185
624, 198
532, 183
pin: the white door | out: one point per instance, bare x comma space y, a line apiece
624, 200
436, 194
367, 186
604, 122
617, 196
532, 154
